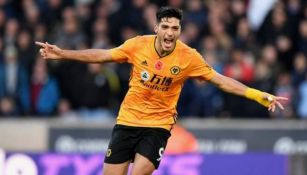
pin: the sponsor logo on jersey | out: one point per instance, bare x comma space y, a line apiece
156, 82
161, 80
145, 75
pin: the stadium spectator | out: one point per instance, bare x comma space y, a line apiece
181, 141
299, 69
100, 34
240, 68
2, 21
284, 88
70, 36
195, 13
98, 91
31, 14
190, 34
1, 49
26, 51
244, 38
301, 42
264, 79
302, 96
11, 32
64, 109
14, 80
44, 90
8, 107
149, 18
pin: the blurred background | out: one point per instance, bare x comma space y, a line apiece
56, 117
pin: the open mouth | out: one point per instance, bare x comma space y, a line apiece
168, 42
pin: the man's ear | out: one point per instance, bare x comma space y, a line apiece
156, 28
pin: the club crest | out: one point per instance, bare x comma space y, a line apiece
109, 152
175, 70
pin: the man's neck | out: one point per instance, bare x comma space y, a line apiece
159, 49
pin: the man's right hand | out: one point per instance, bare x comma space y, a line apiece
49, 51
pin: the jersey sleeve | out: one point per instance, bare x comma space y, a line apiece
123, 53
199, 68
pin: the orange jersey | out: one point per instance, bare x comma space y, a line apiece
156, 82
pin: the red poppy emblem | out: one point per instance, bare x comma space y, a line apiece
159, 65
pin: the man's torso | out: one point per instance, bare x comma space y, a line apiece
155, 84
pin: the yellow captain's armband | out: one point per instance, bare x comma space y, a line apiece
261, 97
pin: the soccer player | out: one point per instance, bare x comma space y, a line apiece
161, 64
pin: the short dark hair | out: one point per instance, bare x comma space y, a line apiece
168, 12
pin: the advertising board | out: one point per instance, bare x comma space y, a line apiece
188, 164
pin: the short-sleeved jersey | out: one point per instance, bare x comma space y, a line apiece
156, 82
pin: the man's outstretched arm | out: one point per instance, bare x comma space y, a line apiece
49, 51
233, 86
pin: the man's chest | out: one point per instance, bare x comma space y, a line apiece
158, 73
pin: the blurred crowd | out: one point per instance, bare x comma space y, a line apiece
262, 43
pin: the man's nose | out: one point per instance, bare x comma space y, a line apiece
169, 32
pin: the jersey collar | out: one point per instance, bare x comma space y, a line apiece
158, 52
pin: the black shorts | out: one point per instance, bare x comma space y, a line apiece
126, 141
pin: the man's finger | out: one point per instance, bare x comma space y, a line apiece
40, 44
49, 45
281, 98
270, 107
273, 108
280, 105
42, 51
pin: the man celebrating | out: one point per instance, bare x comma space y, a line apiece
161, 64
